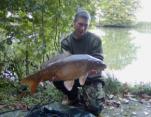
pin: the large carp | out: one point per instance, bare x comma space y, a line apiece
67, 69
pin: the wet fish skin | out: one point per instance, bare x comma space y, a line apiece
67, 69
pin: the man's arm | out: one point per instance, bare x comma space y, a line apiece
65, 48
97, 50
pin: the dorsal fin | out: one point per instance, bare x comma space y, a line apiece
55, 58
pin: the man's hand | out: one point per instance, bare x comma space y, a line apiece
67, 53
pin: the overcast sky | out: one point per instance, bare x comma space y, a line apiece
143, 14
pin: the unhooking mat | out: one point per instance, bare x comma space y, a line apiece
50, 110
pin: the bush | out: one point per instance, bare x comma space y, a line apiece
141, 88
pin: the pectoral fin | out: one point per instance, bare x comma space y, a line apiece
69, 84
82, 79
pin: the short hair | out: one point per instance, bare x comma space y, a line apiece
82, 13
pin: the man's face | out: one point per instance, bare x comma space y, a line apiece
80, 26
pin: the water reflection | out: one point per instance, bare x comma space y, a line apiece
127, 53
140, 69
119, 49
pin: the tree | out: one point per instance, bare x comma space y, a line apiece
118, 12
32, 30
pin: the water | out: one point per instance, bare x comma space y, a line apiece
140, 69
127, 53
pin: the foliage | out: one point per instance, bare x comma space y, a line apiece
31, 30
142, 88
9, 94
118, 12
112, 85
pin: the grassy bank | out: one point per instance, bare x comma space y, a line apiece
10, 92
114, 86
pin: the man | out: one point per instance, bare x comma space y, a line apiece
80, 41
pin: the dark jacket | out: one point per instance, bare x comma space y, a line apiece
88, 44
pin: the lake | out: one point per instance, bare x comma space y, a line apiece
127, 53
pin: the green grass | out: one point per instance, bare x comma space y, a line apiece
9, 92
112, 85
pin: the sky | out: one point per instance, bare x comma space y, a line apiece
143, 13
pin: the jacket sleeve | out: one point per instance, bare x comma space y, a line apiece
65, 46
97, 50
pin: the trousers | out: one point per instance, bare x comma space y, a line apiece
92, 93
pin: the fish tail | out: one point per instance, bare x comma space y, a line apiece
32, 82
